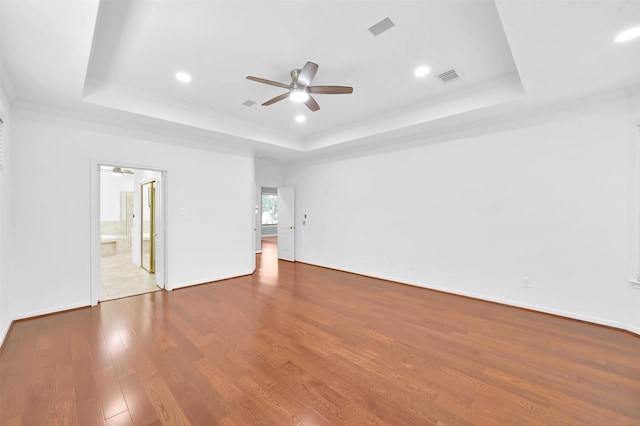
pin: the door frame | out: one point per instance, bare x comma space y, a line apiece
153, 226
286, 229
94, 239
257, 220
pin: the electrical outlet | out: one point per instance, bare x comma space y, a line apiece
526, 283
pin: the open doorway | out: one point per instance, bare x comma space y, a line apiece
129, 209
275, 214
268, 216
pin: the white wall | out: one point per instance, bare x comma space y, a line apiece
110, 188
269, 173
48, 268
546, 200
5, 202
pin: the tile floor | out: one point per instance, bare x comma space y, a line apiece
120, 277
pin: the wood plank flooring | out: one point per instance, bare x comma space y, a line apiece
295, 344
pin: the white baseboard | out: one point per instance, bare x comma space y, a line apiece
212, 279
4, 331
543, 309
26, 315
50, 311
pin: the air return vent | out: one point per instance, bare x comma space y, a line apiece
381, 26
447, 76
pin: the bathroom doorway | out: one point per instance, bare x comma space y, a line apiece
129, 209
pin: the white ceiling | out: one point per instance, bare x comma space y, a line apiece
119, 58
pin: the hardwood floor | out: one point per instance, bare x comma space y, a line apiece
298, 344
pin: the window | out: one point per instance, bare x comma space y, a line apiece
269, 206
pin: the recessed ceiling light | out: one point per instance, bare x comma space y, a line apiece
301, 118
627, 35
183, 77
421, 71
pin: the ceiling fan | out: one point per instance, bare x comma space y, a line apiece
299, 89
118, 171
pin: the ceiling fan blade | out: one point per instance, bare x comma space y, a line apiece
330, 90
265, 81
276, 99
307, 73
312, 104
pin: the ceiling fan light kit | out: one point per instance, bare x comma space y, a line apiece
300, 89
299, 94
119, 171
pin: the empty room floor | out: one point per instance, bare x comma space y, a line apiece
295, 344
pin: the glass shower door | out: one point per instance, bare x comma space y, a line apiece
148, 225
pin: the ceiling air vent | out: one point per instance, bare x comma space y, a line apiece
248, 103
447, 76
381, 26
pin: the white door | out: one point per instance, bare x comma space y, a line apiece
257, 224
286, 223
158, 237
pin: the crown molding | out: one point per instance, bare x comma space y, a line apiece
112, 95
479, 96
154, 130
493, 119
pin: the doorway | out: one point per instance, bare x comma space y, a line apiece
276, 216
130, 233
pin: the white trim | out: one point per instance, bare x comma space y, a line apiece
95, 189
164, 175
48, 311
94, 237
542, 309
213, 279
3, 122
4, 332
150, 129
637, 203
